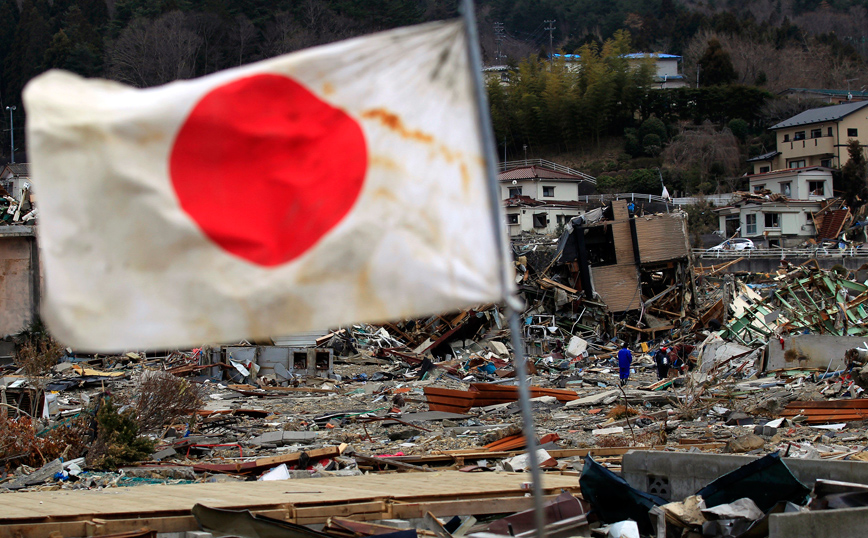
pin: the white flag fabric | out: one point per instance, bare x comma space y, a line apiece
339, 184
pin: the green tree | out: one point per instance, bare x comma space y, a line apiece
27, 53
716, 67
57, 54
653, 125
854, 174
739, 128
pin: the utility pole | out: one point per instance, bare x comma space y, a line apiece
498, 40
551, 28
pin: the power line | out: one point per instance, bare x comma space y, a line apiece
498, 40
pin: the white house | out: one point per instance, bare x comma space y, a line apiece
781, 208
15, 179
538, 198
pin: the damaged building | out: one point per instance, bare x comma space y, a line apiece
629, 262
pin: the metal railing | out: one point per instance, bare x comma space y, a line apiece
782, 253
508, 165
631, 196
716, 199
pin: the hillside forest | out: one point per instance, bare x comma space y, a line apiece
606, 118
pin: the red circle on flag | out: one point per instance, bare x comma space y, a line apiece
266, 168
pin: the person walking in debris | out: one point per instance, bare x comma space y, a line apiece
662, 360
675, 363
625, 359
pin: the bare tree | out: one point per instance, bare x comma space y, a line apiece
806, 65
208, 26
243, 34
703, 148
284, 34
151, 52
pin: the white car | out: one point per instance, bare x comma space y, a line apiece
734, 244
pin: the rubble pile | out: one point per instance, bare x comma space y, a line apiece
719, 363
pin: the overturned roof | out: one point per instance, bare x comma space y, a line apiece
821, 114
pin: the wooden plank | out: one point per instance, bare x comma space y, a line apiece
547, 282
320, 514
316, 453
476, 507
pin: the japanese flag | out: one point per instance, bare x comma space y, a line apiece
340, 184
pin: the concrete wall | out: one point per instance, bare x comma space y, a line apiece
19, 279
812, 351
687, 473
843, 523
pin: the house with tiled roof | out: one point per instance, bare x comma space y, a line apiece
539, 195
816, 137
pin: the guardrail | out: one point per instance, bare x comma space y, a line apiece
781, 253
508, 165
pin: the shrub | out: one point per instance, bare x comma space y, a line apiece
117, 442
161, 397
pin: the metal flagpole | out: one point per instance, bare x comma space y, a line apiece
490, 149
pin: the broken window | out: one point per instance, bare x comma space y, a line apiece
750, 224
731, 225
600, 244
773, 220
514, 191
817, 188
540, 220
512, 218
299, 360
759, 188
322, 360
787, 188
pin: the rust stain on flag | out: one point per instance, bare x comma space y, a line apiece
386, 162
328, 88
393, 122
386, 194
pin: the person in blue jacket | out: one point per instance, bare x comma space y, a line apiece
625, 359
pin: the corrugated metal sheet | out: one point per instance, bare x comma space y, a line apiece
618, 286
305, 339
661, 238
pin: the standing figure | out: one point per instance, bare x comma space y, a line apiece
625, 359
662, 360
